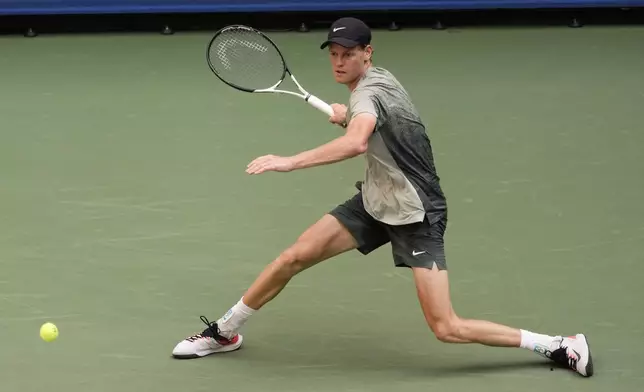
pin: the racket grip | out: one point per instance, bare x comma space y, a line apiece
320, 105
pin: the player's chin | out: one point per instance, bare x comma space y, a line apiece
341, 77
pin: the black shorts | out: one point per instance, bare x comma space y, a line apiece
413, 245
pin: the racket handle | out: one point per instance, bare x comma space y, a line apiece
320, 105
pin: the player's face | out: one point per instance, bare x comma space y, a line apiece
348, 63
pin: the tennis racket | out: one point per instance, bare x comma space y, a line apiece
246, 59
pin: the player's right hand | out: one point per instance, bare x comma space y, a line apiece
339, 114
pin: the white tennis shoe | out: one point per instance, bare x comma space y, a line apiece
208, 342
572, 352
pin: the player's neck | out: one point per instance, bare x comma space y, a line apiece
352, 86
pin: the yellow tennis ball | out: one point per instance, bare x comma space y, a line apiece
48, 332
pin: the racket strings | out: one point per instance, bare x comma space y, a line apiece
246, 59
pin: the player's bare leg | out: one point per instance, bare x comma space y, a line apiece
324, 239
432, 286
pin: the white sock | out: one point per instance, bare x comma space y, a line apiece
234, 319
536, 342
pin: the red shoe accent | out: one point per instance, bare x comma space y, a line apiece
223, 341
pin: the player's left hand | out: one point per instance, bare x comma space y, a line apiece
270, 163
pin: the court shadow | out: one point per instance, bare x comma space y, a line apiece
306, 355
493, 367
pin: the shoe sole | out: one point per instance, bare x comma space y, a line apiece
223, 349
590, 370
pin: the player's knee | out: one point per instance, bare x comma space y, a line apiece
442, 330
446, 330
295, 259
287, 263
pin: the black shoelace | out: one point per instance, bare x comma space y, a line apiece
212, 331
561, 357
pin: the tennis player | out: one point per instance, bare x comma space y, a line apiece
400, 202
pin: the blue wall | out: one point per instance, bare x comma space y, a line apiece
35, 7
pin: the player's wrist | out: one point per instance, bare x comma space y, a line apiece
295, 161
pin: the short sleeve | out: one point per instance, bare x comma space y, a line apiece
362, 101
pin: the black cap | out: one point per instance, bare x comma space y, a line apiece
348, 32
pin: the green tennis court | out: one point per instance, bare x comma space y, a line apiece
126, 213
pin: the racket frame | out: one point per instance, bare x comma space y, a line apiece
305, 95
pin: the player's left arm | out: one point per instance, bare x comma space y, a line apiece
354, 142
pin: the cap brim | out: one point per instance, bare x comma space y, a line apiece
347, 43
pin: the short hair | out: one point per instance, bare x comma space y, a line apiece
363, 47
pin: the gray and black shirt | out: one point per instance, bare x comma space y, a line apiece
401, 184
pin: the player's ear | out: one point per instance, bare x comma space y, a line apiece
368, 51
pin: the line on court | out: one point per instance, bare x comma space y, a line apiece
122, 356
141, 238
596, 244
113, 205
83, 189
517, 181
171, 202
398, 274
21, 295
36, 318
325, 365
22, 304
138, 249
